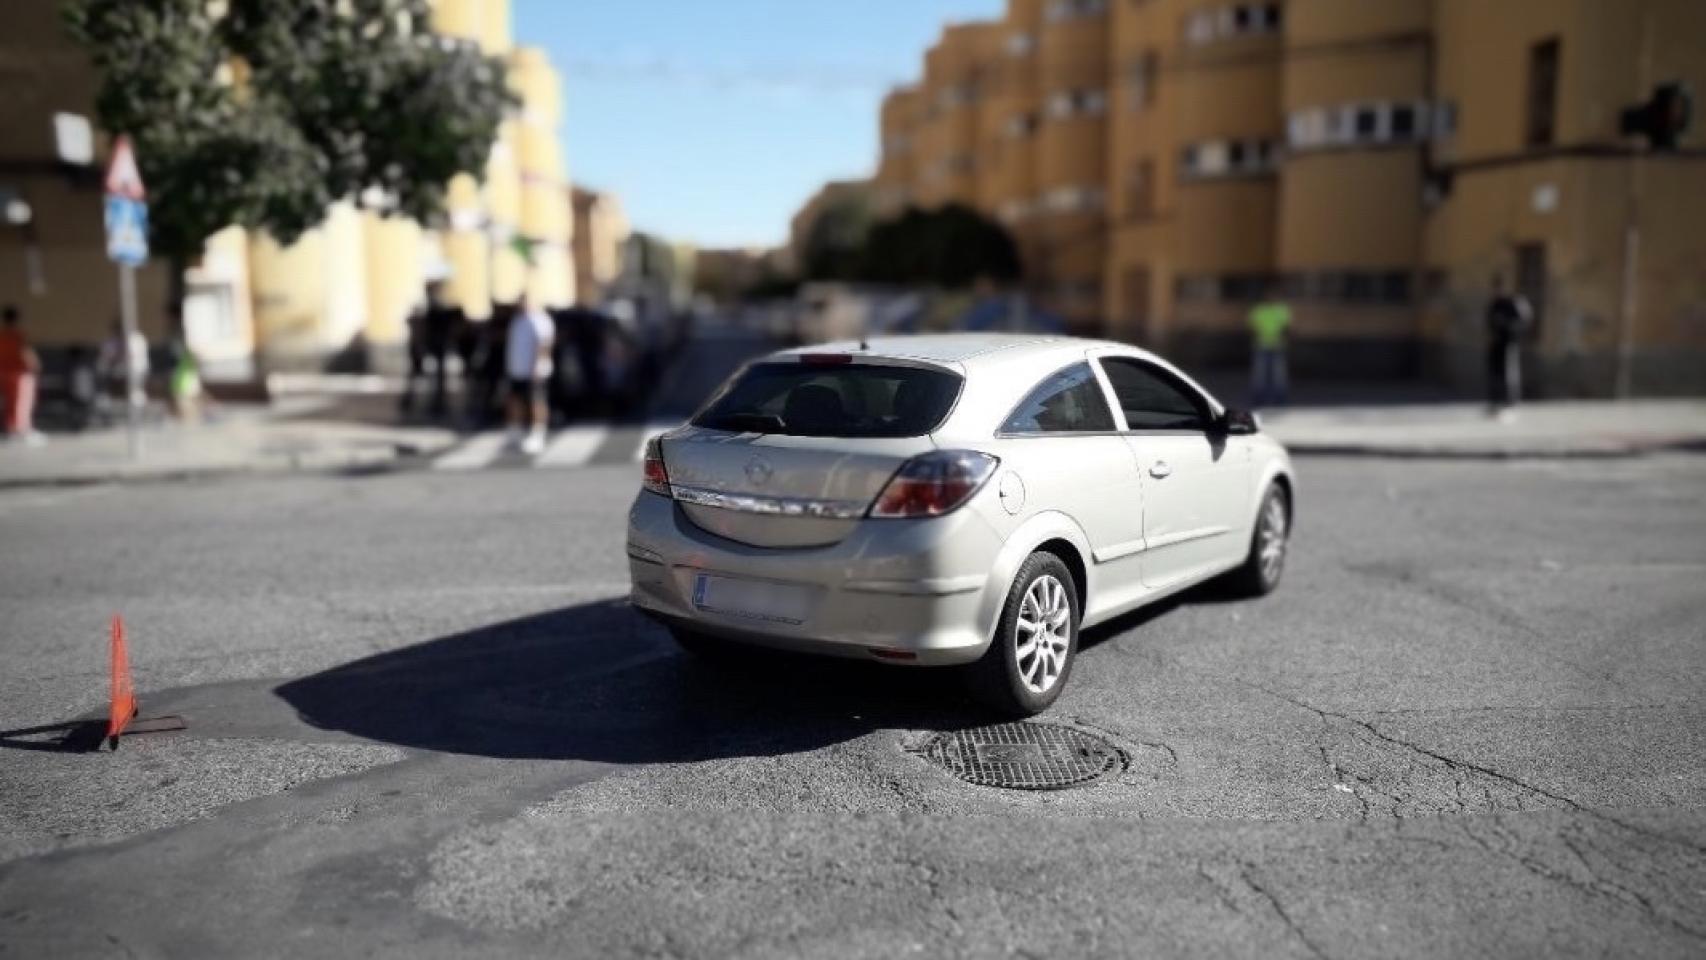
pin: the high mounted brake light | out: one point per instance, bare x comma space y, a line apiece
934, 483
825, 359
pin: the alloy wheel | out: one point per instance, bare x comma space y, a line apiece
1270, 544
1043, 633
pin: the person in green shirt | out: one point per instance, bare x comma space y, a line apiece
1269, 321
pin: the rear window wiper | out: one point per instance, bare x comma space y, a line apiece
746, 422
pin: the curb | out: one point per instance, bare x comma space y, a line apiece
399, 455
1694, 445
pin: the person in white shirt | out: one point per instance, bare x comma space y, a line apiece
527, 364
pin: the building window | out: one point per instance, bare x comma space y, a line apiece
1070, 103
1377, 287
1402, 122
1238, 20
1145, 74
1021, 125
1307, 128
1194, 288
1073, 198
1394, 287
1021, 44
1061, 10
1222, 158
957, 95
1445, 120
1364, 124
1542, 92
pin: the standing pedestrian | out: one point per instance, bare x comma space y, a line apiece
1269, 320
527, 356
19, 367
183, 385
433, 327
1509, 316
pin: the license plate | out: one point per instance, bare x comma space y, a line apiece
752, 599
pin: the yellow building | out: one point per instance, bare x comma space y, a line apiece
1534, 183
895, 178
1011, 102
1071, 161
600, 230
1163, 163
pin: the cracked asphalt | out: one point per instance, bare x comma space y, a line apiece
422, 722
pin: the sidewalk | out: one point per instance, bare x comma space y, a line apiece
332, 432
1547, 429
295, 432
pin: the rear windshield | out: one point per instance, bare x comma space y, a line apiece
843, 400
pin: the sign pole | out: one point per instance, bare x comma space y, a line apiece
127, 245
132, 372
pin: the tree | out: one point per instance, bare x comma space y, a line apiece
951, 247
835, 239
264, 113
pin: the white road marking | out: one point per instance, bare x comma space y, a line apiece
479, 451
574, 446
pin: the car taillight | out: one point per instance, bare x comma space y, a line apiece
932, 484
655, 478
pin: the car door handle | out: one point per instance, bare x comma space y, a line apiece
1160, 470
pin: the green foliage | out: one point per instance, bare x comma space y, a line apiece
835, 241
952, 247
264, 116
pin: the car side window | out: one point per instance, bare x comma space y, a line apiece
1068, 401
1151, 398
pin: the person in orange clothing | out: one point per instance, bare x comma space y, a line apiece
18, 368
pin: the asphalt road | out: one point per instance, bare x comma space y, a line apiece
423, 723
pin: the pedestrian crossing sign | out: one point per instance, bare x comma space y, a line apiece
127, 230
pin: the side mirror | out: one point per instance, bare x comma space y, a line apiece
1235, 422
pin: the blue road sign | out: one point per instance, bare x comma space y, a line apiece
127, 230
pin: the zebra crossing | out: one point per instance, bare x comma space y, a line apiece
587, 444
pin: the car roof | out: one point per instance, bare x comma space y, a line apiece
969, 350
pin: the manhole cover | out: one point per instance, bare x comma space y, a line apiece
1025, 756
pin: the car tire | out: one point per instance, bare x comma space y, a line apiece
1264, 564
1006, 678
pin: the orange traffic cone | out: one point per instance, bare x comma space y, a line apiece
123, 707
123, 694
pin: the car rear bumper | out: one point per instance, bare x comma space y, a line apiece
900, 591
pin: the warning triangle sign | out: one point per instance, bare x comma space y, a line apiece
123, 178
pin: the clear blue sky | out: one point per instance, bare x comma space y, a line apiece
715, 119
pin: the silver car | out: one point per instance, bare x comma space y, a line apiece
958, 499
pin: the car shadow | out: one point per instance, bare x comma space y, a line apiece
1210, 592
598, 682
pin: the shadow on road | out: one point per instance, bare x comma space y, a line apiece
597, 682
